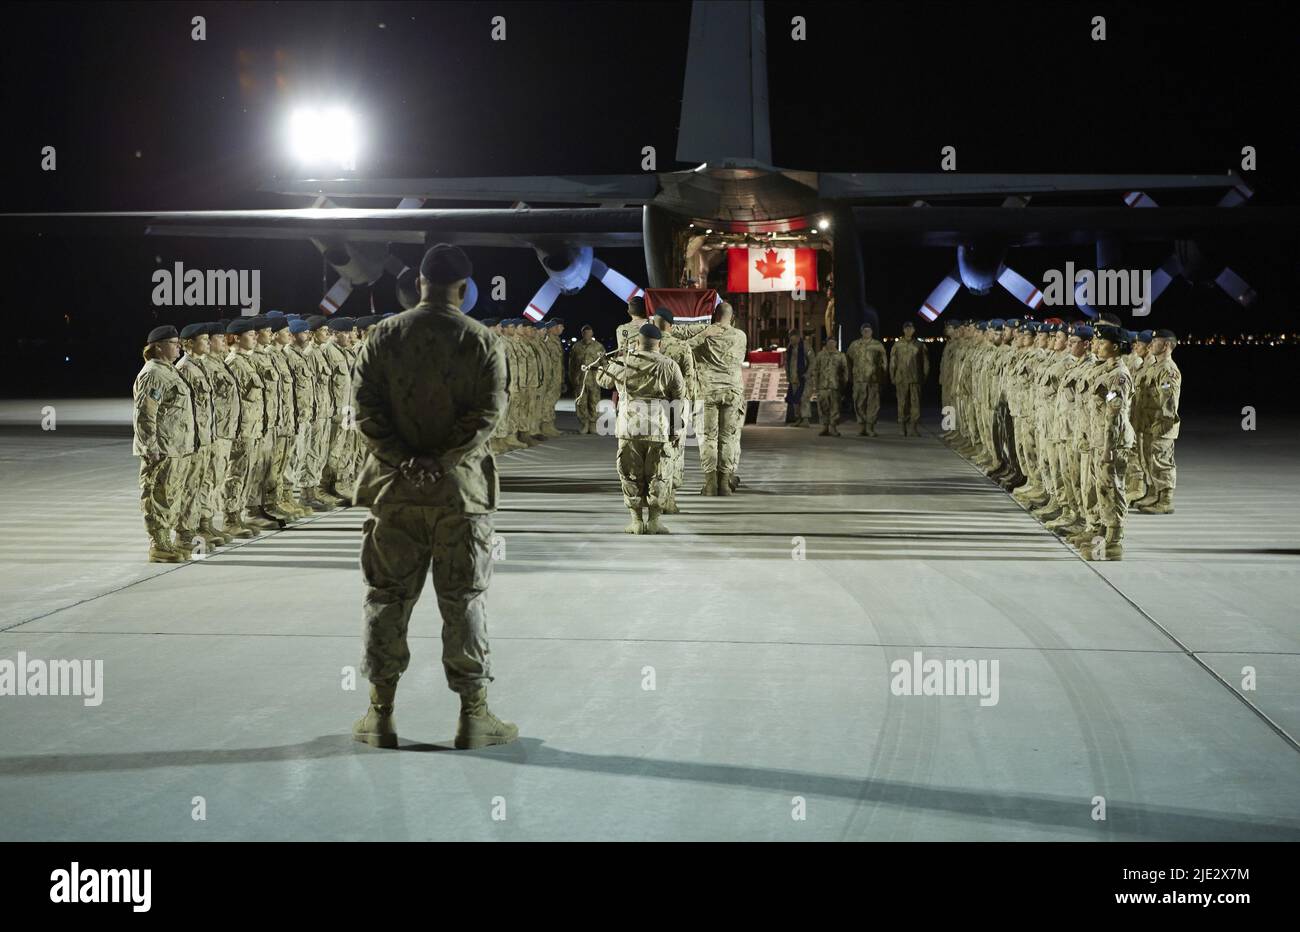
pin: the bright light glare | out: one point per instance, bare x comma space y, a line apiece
823, 224
324, 137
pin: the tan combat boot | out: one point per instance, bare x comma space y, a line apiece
238, 528
377, 728
214, 537
1163, 504
710, 484
653, 526
1111, 549
478, 727
670, 504
160, 551
724, 484
637, 526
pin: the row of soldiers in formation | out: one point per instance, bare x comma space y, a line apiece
827, 374
670, 380
252, 428
1077, 421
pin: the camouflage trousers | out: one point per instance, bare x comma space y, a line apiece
255, 490
239, 472
644, 471
1160, 467
866, 402
316, 448
337, 462
295, 466
828, 405
195, 490
218, 465
1136, 479
1108, 478
274, 485
550, 398
585, 407
909, 403
161, 488
718, 430
400, 546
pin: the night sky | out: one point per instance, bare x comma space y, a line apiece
143, 117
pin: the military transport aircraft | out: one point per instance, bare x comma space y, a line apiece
733, 189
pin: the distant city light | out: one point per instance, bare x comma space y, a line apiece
320, 138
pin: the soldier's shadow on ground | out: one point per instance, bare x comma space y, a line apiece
1068, 813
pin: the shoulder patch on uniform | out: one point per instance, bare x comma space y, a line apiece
155, 393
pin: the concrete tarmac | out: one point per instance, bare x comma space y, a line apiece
729, 681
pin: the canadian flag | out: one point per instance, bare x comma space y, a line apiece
768, 269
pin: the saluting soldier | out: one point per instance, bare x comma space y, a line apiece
195, 521
647, 382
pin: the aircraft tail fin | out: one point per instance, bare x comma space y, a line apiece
724, 98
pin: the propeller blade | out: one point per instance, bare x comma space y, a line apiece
1236, 288
1237, 194
619, 284
540, 306
1020, 287
939, 299
1163, 276
1139, 199
471, 296
335, 297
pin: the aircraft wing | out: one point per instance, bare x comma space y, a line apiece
936, 185
1059, 226
590, 226
605, 190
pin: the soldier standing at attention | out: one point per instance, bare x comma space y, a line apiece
430, 388
553, 386
194, 519
719, 352
225, 403
799, 359
909, 367
683, 411
1162, 386
334, 478
647, 382
1112, 439
298, 334
260, 360
586, 392
163, 423
867, 363
252, 421
830, 375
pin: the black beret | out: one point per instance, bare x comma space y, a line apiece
240, 325
651, 331
368, 320
1165, 335
316, 321
1111, 333
444, 264
260, 322
279, 323
664, 313
165, 332
190, 331
342, 323
489, 321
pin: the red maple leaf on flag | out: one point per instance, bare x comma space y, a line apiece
770, 266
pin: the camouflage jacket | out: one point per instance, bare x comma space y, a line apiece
867, 361
252, 406
164, 412
718, 357
225, 397
304, 385
430, 382
647, 382
908, 362
196, 379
